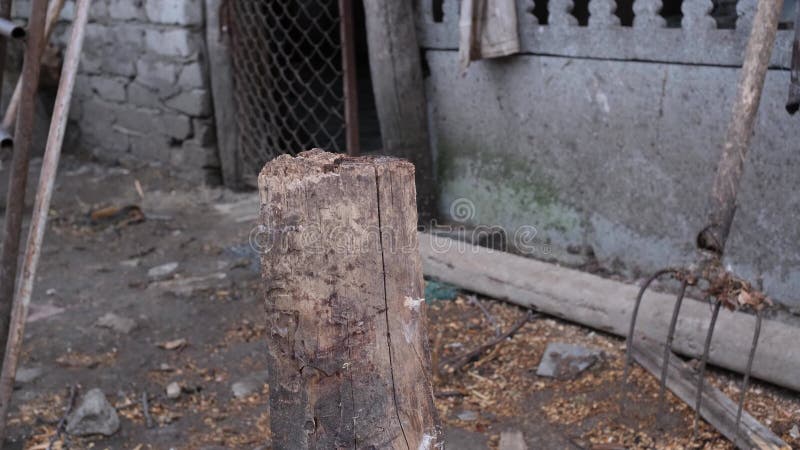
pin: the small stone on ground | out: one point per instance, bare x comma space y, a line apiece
244, 388
131, 263
467, 416
28, 374
566, 361
249, 385
94, 415
173, 390
162, 271
465, 439
189, 285
117, 323
512, 440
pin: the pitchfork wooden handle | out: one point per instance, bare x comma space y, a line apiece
740, 130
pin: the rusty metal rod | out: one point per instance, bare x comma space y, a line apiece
5, 13
349, 77
53, 13
748, 370
668, 349
47, 178
635, 314
10, 29
703, 362
793, 105
751, 83
23, 135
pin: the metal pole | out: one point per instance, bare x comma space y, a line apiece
11, 30
6, 141
53, 13
5, 13
740, 130
748, 370
349, 77
698, 401
794, 86
15, 200
47, 178
668, 351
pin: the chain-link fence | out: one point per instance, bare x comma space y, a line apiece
287, 73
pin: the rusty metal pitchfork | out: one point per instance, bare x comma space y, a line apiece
721, 287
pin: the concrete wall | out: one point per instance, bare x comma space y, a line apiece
142, 92
613, 159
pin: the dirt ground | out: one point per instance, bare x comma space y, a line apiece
201, 326
581, 413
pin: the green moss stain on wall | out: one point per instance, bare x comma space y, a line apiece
506, 191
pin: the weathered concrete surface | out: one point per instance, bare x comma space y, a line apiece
615, 159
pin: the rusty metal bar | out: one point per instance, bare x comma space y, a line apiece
668, 349
794, 85
10, 29
5, 13
15, 200
53, 13
47, 178
635, 314
349, 77
703, 362
748, 370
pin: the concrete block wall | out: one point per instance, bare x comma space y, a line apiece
143, 92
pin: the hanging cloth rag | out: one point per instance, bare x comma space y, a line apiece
488, 29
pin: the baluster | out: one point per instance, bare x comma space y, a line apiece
451, 10
601, 14
697, 15
527, 11
646, 14
745, 9
560, 13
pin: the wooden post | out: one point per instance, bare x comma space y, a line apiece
220, 69
396, 68
350, 84
348, 356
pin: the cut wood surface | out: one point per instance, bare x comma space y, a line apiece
606, 305
347, 349
717, 408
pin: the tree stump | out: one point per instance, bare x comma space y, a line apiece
348, 355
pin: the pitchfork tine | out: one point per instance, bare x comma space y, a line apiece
668, 349
628, 354
746, 380
703, 362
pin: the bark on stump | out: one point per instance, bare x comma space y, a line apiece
348, 356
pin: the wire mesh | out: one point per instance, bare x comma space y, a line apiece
287, 74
